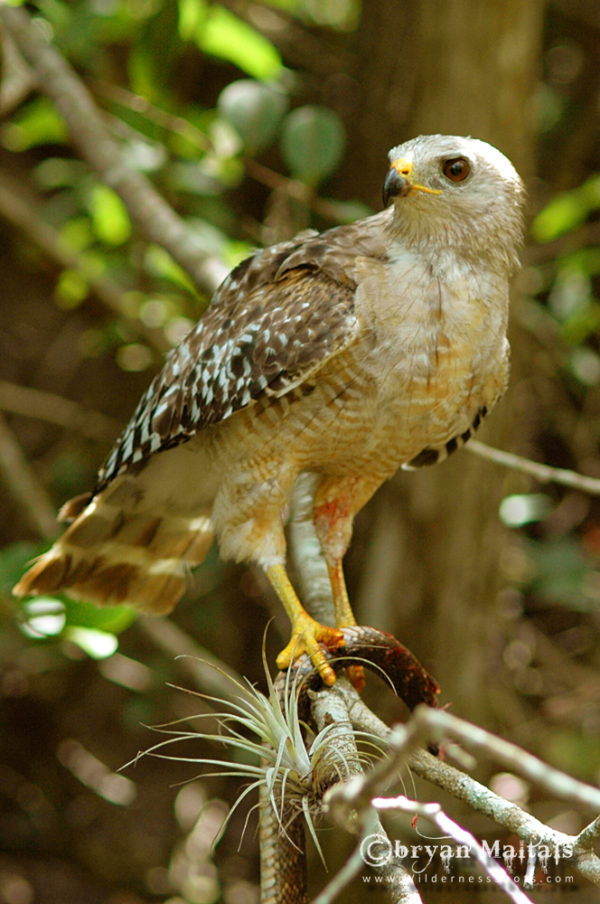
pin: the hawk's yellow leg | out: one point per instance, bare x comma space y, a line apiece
307, 633
344, 616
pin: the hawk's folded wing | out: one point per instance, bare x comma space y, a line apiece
273, 322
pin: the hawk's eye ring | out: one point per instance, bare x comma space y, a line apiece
456, 169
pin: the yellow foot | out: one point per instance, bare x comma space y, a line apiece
307, 634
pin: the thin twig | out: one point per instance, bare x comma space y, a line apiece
153, 216
293, 188
541, 472
23, 484
54, 409
588, 835
428, 724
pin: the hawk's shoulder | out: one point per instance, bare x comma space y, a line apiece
272, 323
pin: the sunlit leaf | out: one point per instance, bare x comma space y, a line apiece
255, 109
71, 289
97, 644
36, 123
312, 143
567, 211
110, 220
224, 35
561, 215
76, 234
192, 14
45, 617
159, 263
113, 619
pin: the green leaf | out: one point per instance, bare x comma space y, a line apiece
192, 14
567, 211
312, 143
110, 220
255, 110
97, 644
152, 54
564, 574
45, 617
159, 262
561, 215
36, 123
112, 619
71, 289
224, 35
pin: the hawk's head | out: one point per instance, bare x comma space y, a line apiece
455, 191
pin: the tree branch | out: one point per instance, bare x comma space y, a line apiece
541, 472
19, 208
153, 216
23, 484
54, 409
434, 813
462, 787
329, 707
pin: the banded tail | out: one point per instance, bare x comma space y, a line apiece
115, 551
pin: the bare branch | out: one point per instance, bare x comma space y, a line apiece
329, 707
23, 484
46, 406
481, 798
153, 216
589, 835
20, 209
543, 473
434, 813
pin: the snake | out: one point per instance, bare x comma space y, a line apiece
282, 854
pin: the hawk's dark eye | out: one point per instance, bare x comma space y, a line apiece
456, 169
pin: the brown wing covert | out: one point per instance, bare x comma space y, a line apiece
272, 322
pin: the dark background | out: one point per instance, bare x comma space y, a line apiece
489, 577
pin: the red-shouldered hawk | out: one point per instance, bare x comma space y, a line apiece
348, 354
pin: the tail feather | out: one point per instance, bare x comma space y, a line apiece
111, 554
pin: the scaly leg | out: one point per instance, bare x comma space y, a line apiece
307, 633
336, 503
344, 616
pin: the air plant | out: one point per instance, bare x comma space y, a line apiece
288, 762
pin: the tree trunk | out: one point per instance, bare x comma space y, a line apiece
431, 545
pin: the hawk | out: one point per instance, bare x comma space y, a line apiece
348, 354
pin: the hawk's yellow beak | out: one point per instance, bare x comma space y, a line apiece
398, 182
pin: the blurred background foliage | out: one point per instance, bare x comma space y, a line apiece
249, 118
